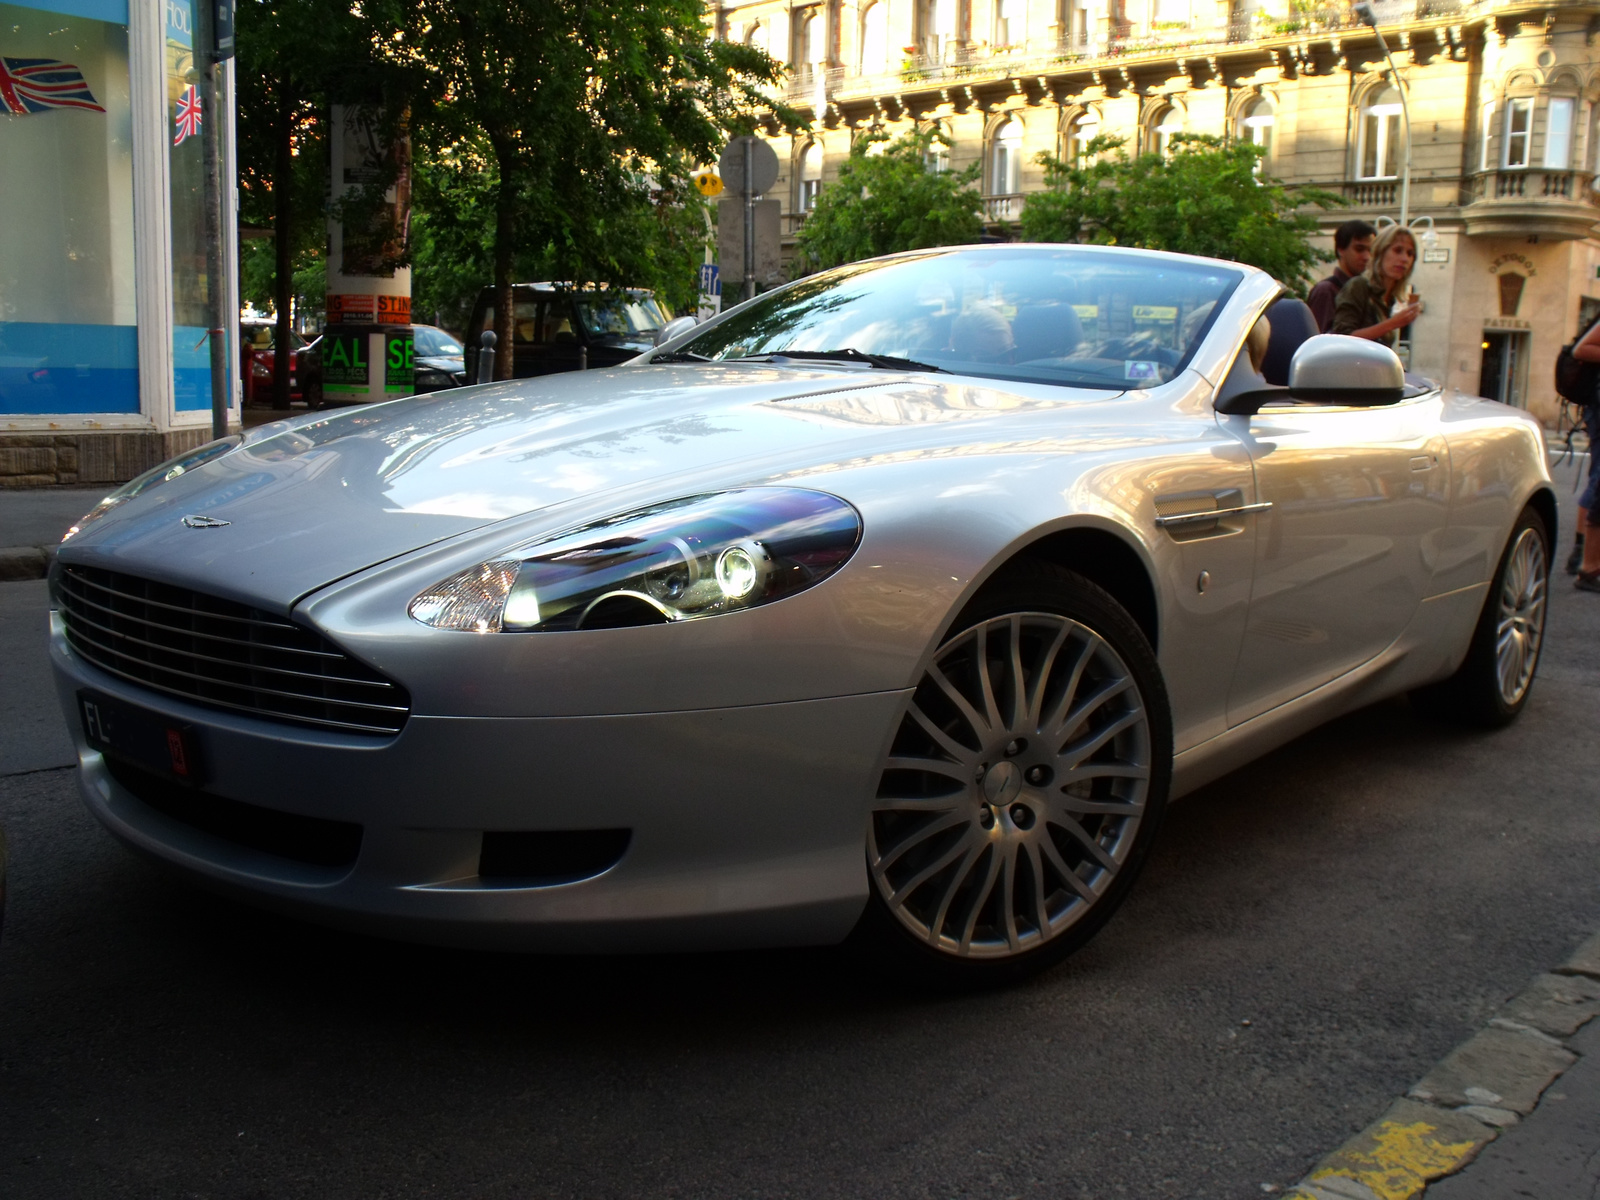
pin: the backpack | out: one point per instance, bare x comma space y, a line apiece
1575, 380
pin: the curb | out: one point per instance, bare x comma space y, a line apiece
25, 562
1486, 1084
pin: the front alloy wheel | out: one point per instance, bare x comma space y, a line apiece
1025, 782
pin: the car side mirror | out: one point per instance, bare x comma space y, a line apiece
674, 328
1333, 368
1329, 368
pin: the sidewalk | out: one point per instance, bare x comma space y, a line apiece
32, 522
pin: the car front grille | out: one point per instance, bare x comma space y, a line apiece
222, 654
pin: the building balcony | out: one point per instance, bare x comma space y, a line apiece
1531, 202
999, 210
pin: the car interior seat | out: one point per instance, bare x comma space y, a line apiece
1292, 323
1045, 331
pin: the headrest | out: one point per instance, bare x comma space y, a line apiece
1292, 323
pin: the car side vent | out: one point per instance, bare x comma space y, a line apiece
540, 859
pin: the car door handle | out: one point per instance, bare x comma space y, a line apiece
1423, 462
1226, 503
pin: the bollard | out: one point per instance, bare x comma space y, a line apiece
583, 357
486, 357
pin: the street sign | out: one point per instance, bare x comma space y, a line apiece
710, 280
708, 183
763, 166
768, 265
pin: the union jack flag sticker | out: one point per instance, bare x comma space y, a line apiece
188, 120
30, 85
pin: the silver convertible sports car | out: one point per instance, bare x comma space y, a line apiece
894, 605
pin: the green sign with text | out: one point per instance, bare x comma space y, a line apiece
399, 368
344, 363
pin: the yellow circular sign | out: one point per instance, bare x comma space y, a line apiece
709, 183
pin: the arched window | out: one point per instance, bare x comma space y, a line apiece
1257, 125
1083, 130
938, 20
1166, 122
810, 176
1005, 176
807, 45
1380, 150
755, 34
874, 38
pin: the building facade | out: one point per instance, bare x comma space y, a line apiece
104, 295
1503, 115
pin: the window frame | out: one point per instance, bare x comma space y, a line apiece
809, 187
1516, 105
1005, 158
1565, 141
1390, 138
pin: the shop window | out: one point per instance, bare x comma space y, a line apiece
1519, 130
68, 342
1005, 176
1381, 149
810, 176
1166, 122
874, 38
1558, 134
1257, 127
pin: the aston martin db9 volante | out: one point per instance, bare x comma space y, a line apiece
894, 605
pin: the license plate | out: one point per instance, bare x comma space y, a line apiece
170, 748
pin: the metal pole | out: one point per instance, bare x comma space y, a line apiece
216, 260
749, 218
1365, 13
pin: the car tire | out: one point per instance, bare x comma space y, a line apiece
1012, 816
1492, 685
313, 394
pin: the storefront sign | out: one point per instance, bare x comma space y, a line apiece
1437, 255
1506, 323
399, 369
344, 362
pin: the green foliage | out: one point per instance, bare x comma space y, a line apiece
1206, 198
891, 200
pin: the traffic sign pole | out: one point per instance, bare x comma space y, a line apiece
749, 219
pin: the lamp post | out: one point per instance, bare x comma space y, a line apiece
1367, 16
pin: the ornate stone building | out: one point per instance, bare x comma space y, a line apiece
1504, 127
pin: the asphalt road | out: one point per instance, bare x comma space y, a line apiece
1312, 933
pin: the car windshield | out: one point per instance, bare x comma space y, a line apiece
434, 343
629, 316
1084, 318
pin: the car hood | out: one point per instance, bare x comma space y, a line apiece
313, 499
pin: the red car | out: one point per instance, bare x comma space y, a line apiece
257, 343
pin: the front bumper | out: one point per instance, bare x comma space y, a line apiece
747, 824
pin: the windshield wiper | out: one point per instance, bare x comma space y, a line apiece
885, 362
679, 356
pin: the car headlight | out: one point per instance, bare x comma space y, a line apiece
156, 476
693, 557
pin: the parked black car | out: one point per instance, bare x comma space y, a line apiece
557, 329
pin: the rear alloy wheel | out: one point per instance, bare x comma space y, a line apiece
1024, 786
1492, 684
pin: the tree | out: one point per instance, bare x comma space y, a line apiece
1209, 197
585, 115
891, 199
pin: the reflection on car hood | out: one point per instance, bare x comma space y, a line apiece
440, 362
313, 499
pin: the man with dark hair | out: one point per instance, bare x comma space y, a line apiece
1352, 245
